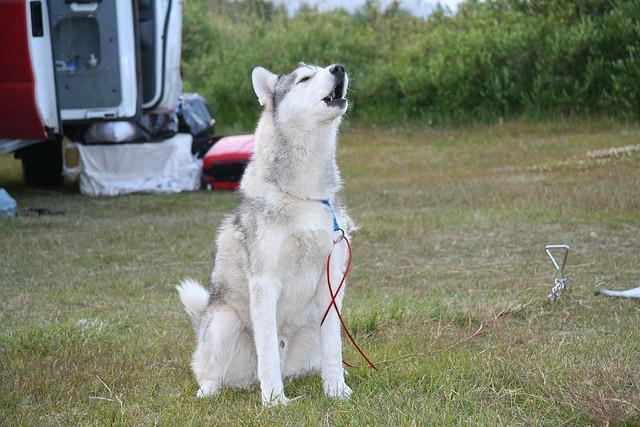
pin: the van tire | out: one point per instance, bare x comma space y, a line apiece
42, 163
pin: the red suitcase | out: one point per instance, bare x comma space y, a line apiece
224, 163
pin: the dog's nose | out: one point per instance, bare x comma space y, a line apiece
337, 69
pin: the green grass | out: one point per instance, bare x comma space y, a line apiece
453, 226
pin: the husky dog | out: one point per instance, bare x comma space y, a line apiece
261, 317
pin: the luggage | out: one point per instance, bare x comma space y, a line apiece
224, 163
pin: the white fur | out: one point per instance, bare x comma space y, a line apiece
194, 298
264, 83
269, 289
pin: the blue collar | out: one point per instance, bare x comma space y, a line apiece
336, 227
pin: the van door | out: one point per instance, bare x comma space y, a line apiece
28, 108
160, 29
94, 47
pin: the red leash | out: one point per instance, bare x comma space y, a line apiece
333, 300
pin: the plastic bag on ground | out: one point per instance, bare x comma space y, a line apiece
8, 204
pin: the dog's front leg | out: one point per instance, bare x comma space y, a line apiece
331, 364
264, 299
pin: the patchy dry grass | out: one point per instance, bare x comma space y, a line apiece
447, 292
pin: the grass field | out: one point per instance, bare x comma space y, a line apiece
447, 292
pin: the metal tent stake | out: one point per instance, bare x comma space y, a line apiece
560, 282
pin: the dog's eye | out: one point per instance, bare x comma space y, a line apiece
304, 79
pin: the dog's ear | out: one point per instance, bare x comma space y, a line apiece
264, 84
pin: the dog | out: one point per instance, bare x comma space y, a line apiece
260, 318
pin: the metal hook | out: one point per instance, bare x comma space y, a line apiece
566, 248
560, 282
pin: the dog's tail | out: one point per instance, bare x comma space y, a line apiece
194, 298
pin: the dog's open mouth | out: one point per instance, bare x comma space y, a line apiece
336, 97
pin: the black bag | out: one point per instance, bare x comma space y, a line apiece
158, 126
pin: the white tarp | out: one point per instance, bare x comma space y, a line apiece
155, 167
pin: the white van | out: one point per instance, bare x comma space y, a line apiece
68, 63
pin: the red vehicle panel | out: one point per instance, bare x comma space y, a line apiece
224, 163
19, 115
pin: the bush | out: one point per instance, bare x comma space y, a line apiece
495, 59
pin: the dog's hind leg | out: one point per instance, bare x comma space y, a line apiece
224, 353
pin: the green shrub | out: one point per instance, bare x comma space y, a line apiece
495, 59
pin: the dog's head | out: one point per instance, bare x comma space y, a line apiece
307, 94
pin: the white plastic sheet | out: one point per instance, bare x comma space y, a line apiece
159, 167
629, 293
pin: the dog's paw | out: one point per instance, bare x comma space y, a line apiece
207, 389
280, 399
337, 390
